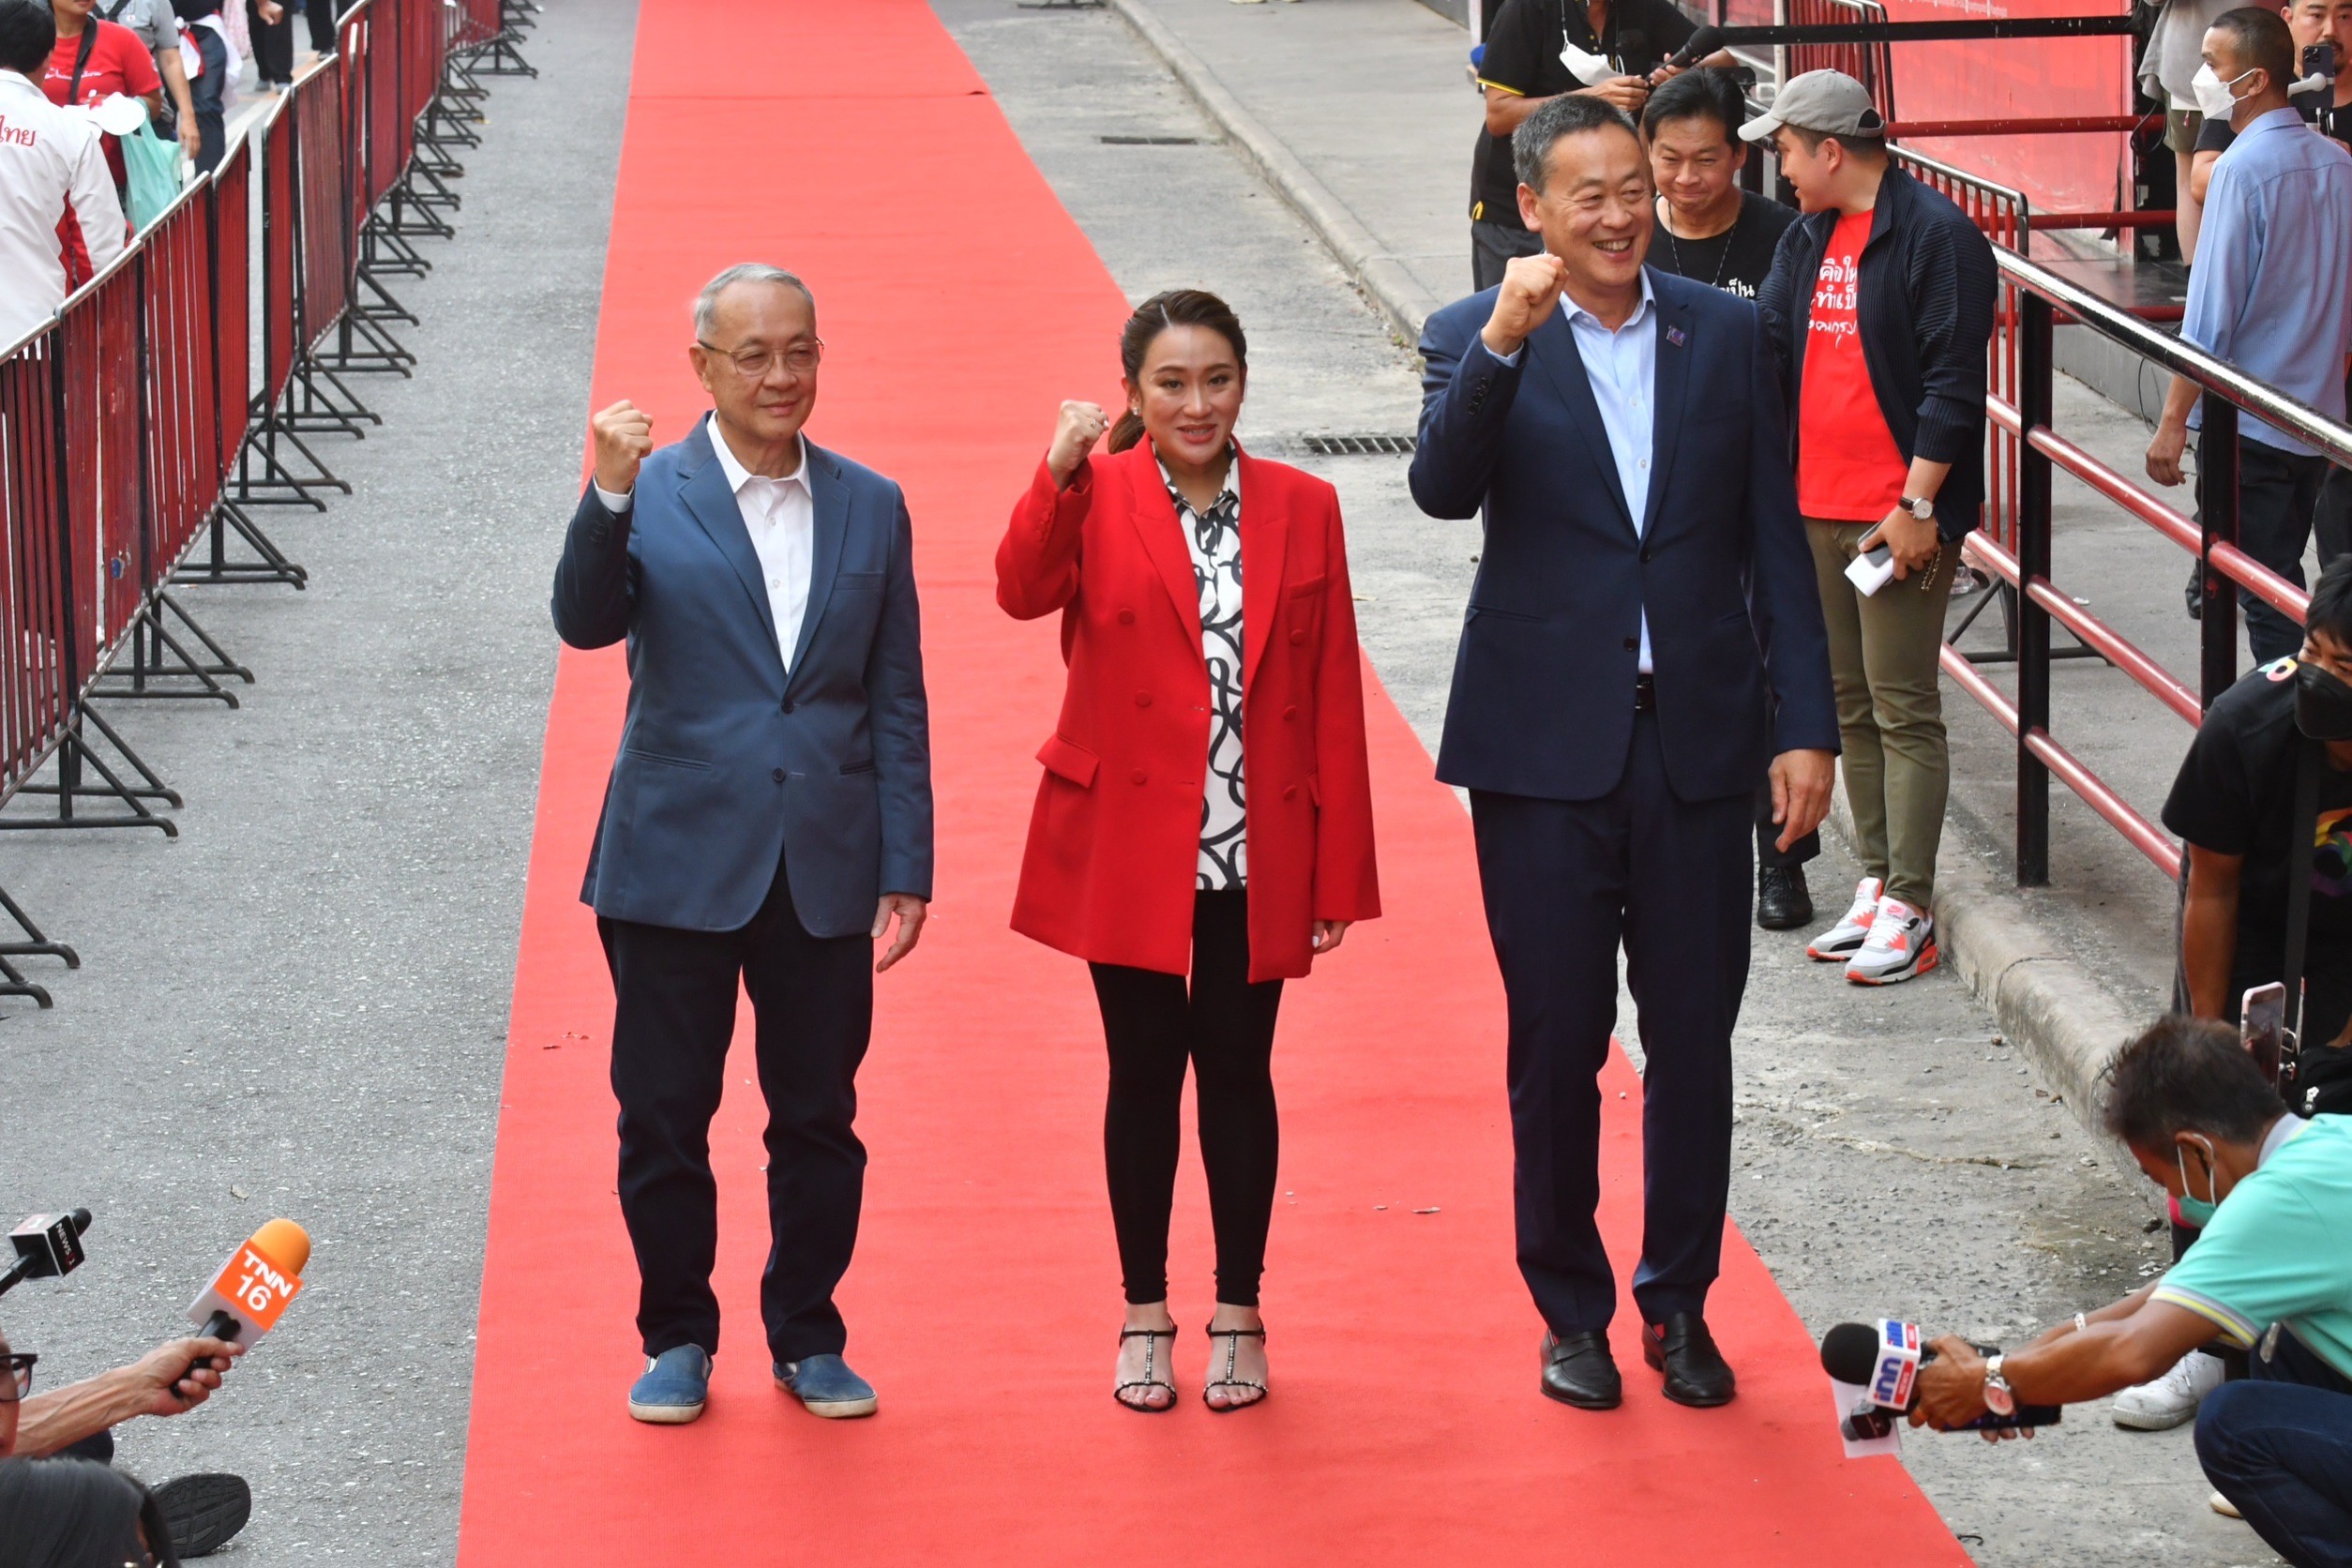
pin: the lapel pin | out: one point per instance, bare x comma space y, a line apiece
1674, 335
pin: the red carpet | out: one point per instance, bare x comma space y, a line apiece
959, 304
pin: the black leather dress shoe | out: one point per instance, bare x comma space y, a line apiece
1783, 902
1696, 1372
1577, 1371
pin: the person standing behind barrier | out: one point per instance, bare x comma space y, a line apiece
1521, 70
216, 78
92, 60
60, 219
2269, 296
1880, 306
769, 815
2166, 68
159, 27
1712, 232
271, 31
1206, 809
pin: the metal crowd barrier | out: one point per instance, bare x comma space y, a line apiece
136, 439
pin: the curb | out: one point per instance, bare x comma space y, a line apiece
1384, 281
2064, 1022
2044, 1002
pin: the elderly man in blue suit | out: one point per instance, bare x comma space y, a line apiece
767, 817
1643, 636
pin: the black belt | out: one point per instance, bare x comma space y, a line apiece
1645, 694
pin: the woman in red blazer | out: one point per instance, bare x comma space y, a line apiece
1206, 809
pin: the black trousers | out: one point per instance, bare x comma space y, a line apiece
1224, 1026
320, 14
813, 1000
273, 45
1768, 850
1567, 883
2278, 493
1493, 245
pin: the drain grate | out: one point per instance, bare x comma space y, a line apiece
1152, 141
1358, 446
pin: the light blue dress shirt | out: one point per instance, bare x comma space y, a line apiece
2270, 291
1622, 366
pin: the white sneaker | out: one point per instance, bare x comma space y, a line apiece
1901, 944
2162, 1403
1845, 939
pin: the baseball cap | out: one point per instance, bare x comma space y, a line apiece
1827, 101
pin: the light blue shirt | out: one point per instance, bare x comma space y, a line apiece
1622, 368
2272, 292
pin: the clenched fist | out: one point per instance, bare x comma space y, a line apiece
1530, 294
624, 438
1074, 433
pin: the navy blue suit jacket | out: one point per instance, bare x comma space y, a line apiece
1542, 698
725, 764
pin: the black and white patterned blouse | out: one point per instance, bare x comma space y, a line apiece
1214, 538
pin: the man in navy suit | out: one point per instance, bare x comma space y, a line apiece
768, 815
1644, 586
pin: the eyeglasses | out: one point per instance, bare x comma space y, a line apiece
18, 1382
754, 363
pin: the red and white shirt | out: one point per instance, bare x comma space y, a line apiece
60, 222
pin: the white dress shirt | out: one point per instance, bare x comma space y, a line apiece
781, 517
1622, 368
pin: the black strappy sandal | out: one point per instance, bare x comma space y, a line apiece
1150, 1356
1233, 1338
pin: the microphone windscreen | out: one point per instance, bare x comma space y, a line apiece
284, 1243
81, 1219
1702, 43
1849, 1352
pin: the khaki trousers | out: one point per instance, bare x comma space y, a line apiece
1883, 653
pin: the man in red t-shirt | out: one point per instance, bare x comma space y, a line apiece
96, 60
1880, 302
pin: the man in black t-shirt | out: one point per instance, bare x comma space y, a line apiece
2234, 804
1713, 231
1522, 67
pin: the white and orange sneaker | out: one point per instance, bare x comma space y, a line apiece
1845, 939
1901, 944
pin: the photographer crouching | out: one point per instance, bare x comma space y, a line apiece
2271, 1273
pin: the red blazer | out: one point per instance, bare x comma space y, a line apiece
1114, 843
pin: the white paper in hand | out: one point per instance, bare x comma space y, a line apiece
1845, 1396
1591, 70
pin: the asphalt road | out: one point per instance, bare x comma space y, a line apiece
299, 1006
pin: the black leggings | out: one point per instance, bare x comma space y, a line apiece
1224, 1027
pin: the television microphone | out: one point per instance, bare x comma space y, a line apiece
1696, 48
245, 1299
47, 1246
1885, 1361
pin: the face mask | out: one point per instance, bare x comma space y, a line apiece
2197, 1210
2214, 99
2323, 704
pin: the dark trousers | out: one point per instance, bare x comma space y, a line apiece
320, 14
204, 94
1566, 883
812, 1002
1768, 850
1493, 245
273, 45
2278, 492
2279, 1445
1224, 1026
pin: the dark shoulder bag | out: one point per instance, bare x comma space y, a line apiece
2315, 1079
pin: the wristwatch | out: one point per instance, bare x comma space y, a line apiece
1998, 1399
1919, 509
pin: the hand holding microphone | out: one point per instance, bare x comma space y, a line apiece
1946, 1383
1699, 45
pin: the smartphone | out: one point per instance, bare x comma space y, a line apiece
2262, 1026
2320, 60
1874, 568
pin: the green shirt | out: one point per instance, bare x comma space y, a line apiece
2279, 1249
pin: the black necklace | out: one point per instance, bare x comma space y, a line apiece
1730, 239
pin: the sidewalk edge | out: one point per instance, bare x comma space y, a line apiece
2046, 1003
1384, 281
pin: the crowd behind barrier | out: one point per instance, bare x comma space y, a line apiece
137, 443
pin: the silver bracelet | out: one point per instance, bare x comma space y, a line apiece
2081, 1322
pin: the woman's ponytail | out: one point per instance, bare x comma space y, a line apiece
1126, 431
